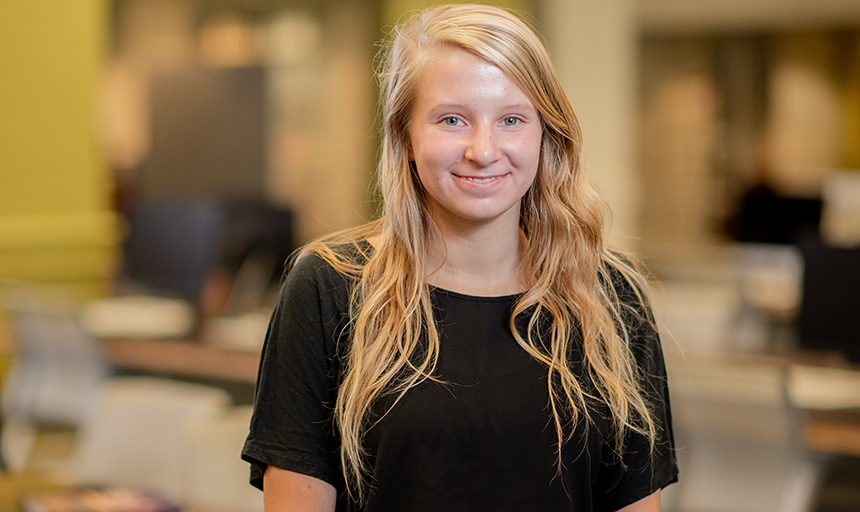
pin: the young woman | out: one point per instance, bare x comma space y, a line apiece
478, 347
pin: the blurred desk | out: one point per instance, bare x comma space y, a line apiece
829, 396
192, 358
834, 432
154, 334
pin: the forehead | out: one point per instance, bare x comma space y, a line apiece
450, 70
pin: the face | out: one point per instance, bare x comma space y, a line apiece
475, 139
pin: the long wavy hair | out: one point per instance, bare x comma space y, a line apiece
394, 342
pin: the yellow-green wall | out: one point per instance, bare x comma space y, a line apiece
55, 219
393, 10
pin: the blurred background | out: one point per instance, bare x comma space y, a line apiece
160, 160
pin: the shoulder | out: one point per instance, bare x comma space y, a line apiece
324, 273
311, 272
629, 291
330, 262
626, 279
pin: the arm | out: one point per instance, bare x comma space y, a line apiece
286, 491
291, 427
647, 504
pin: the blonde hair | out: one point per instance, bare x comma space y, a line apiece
394, 343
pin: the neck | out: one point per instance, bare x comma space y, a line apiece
481, 262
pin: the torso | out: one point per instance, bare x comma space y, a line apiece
480, 438
486, 423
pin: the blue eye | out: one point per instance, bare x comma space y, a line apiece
451, 121
511, 121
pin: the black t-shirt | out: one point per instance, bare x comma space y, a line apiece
479, 438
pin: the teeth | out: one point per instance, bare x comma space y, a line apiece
482, 180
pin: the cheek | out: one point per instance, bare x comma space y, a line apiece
432, 155
536, 147
421, 167
525, 151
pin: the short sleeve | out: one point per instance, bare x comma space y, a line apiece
292, 426
639, 471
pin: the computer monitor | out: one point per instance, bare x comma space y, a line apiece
173, 245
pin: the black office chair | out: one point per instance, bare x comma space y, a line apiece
829, 318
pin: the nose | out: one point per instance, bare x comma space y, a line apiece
483, 148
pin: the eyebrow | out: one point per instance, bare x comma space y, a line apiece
521, 106
457, 106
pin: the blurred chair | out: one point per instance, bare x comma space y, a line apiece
135, 435
696, 315
739, 440
217, 479
769, 288
831, 300
56, 370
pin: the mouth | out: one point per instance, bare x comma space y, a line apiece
480, 179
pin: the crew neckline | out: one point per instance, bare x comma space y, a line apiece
478, 298
458, 295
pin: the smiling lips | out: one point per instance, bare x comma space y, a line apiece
480, 179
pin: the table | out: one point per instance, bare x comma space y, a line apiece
829, 396
187, 357
833, 432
